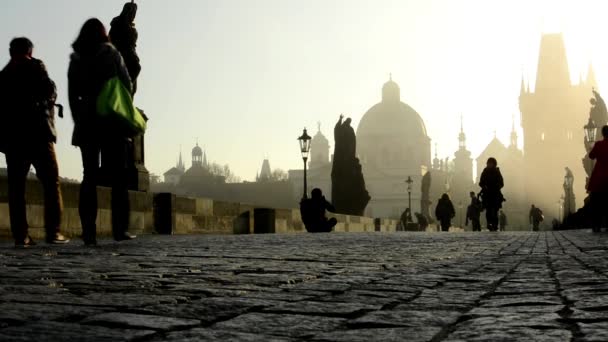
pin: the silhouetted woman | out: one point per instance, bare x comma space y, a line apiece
491, 182
598, 182
92, 64
444, 211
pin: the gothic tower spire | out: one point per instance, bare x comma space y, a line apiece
513, 133
553, 71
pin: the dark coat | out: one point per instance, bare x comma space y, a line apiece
599, 177
491, 182
474, 209
28, 96
445, 209
87, 75
313, 210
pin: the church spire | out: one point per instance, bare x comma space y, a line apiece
462, 138
436, 161
553, 71
180, 162
513, 133
591, 81
522, 88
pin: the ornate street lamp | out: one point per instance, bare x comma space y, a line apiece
590, 133
305, 150
409, 182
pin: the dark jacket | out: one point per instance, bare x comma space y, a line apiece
313, 210
474, 209
598, 182
491, 182
536, 215
87, 75
28, 96
445, 209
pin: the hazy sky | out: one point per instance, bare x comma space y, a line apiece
244, 77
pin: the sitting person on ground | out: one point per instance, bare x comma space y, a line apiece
445, 212
313, 213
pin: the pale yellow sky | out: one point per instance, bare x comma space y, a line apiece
244, 77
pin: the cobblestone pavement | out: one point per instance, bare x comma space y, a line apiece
549, 286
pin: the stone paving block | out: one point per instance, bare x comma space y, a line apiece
137, 321
406, 318
595, 332
507, 333
55, 331
321, 308
13, 314
418, 334
284, 325
200, 334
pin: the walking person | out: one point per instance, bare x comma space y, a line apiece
28, 120
502, 220
444, 211
491, 182
93, 63
474, 212
598, 182
536, 217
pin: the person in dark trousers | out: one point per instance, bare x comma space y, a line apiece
502, 220
28, 96
536, 217
598, 182
491, 182
313, 213
474, 212
92, 64
444, 211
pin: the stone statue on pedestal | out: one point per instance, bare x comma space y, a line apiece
349, 195
123, 36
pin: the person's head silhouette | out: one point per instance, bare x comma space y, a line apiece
605, 131
316, 193
491, 163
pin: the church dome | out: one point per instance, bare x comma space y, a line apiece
197, 151
319, 140
392, 134
392, 117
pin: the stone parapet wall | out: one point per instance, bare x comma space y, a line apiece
166, 213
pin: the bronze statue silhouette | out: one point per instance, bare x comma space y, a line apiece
349, 195
598, 111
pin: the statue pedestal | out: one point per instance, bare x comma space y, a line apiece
138, 176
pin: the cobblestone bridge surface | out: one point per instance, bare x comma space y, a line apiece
549, 286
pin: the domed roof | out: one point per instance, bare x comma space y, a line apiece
391, 117
197, 151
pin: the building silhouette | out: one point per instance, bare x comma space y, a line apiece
552, 117
174, 175
392, 144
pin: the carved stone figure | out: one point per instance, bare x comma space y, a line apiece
425, 201
349, 195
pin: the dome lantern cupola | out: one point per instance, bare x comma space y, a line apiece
391, 91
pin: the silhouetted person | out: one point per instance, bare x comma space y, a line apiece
536, 217
123, 36
406, 217
28, 96
422, 221
93, 63
598, 182
313, 213
502, 220
491, 182
444, 211
474, 212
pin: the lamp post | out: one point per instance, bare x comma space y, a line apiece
305, 150
569, 195
560, 204
409, 182
590, 134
